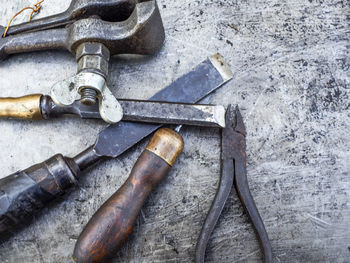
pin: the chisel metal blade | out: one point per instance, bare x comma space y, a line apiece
164, 113
175, 113
19, 191
190, 88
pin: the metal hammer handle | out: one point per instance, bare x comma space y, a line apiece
34, 41
142, 33
109, 10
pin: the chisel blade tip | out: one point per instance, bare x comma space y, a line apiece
219, 114
219, 63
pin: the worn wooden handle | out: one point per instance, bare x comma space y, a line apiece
110, 226
25, 193
26, 107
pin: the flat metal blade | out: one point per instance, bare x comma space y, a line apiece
190, 88
164, 113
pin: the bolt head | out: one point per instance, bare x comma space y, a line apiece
93, 63
92, 48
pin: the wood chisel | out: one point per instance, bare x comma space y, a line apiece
110, 226
26, 192
107, 230
42, 107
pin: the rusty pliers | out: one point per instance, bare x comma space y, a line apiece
93, 30
233, 171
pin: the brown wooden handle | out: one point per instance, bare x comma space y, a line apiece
26, 107
110, 226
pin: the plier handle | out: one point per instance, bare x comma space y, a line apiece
233, 171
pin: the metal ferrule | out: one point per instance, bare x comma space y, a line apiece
167, 144
26, 107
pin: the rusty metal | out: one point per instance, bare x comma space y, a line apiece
111, 142
203, 80
108, 10
93, 58
144, 111
174, 113
233, 171
124, 27
39, 107
93, 31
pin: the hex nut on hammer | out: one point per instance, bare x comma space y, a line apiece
93, 57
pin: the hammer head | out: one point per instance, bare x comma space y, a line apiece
108, 10
123, 26
142, 32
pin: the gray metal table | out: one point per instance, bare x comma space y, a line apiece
291, 79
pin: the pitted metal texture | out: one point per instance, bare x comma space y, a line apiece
233, 172
93, 31
135, 29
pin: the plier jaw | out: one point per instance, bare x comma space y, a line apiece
233, 172
233, 143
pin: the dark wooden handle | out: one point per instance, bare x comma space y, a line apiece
25, 193
110, 226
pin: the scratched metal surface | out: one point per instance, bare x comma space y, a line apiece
291, 79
